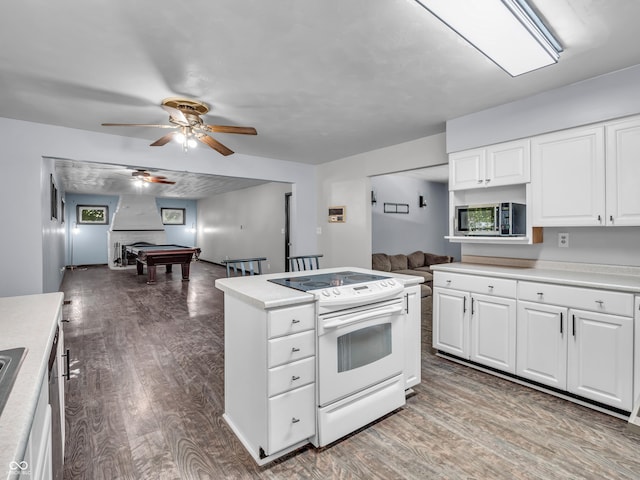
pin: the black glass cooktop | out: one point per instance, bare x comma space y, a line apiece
324, 280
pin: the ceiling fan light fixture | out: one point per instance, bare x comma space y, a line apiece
191, 143
179, 137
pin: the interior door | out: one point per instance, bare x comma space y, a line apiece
287, 226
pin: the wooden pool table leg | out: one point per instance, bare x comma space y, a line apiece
139, 267
169, 267
151, 272
185, 271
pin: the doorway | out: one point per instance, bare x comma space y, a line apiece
287, 226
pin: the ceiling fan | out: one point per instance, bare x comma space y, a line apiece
184, 117
145, 176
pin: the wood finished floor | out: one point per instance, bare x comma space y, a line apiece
146, 400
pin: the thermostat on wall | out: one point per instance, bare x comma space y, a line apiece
337, 214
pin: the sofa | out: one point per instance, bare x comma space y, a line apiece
416, 263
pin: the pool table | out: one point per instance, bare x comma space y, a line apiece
154, 255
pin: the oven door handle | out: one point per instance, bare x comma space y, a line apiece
361, 317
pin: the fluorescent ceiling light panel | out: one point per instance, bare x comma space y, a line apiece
508, 32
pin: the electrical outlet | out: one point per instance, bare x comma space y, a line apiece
563, 240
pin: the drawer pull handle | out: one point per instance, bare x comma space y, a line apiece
490, 287
295, 349
448, 282
294, 378
295, 321
295, 420
540, 294
600, 302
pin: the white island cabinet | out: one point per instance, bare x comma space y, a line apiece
269, 387
272, 359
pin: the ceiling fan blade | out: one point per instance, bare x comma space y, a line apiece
213, 144
176, 114
158, 180
231, 129
137, 125
163, 140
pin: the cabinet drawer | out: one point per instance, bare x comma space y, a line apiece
476, 284
292, 375
291, 320
604, 301
291, 348
291, 418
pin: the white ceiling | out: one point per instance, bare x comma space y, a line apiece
319, 79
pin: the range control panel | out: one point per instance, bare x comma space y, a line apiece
364, 292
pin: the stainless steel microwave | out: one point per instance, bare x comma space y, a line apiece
505, 219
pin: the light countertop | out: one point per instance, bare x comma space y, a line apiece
27, 321
589, 279
263, 294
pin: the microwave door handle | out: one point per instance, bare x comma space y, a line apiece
497, 220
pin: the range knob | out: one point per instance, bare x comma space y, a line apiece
336, 291
391, 282
326, 293
383, 283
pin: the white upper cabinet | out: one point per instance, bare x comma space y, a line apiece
623, 173
568, 178
587, 176
496, 165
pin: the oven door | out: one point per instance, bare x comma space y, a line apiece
358, 348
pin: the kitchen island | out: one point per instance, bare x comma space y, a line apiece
279, 355
31, 322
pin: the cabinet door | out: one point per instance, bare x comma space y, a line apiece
412, 338
542, 343
466, 169
600, 358
493, 332
568, 178
623, 172
450, 321
508, 163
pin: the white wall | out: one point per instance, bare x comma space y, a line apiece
602, 98
608, 96
347, 182
22, 195
422, 228
245, 223
53, 230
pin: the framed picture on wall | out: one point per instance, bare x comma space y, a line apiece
172, 216
92, 215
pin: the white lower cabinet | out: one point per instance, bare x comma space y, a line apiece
412, 332
37, 458
600, 358
291, 417
582, 344
270, 396
476, 326
574, 339
542, 343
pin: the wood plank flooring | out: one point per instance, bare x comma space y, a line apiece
146, 399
